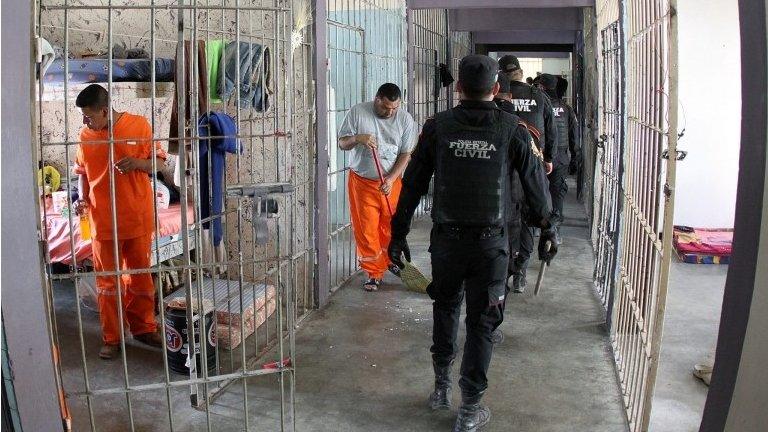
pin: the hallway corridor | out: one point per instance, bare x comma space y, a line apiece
364, 362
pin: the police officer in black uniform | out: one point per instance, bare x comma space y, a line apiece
533, 107
568, 147
515, 222
471, 150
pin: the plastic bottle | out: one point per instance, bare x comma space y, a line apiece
85, 220
85, 225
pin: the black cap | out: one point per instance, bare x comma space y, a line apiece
548, 81
509, 63
504, 84
478, 72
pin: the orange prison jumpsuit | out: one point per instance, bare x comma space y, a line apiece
135, 224
371, 221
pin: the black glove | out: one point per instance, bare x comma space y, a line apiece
574, 166
398, 248
547, 245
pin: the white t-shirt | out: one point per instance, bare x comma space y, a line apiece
394, 136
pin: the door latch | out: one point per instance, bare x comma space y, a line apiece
264, 204
600, 143
680, 154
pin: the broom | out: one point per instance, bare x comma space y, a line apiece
412, 278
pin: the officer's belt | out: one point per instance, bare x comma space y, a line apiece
464, 231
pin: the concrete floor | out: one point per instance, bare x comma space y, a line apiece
363, 362
691, 324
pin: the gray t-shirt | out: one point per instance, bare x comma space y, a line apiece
394, 136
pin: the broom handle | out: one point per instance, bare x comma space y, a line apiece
381, 178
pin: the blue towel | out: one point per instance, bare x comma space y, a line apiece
215, 124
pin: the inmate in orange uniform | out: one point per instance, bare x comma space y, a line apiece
392, 133
135, 223
371, 221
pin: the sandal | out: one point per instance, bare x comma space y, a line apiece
372, 284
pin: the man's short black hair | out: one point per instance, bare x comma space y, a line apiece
389, 91
94, 96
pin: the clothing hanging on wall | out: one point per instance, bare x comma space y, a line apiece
197, 81
213, 51
223, 130
255, 79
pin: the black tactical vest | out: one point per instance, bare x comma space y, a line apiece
560, 112
528, 103
472, 170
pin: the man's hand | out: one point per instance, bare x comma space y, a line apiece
128, 164
397, 249
573, 167
80, 206
386, 187
366, 140
547, 245
548, 167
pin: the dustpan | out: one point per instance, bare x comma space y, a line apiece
412, 278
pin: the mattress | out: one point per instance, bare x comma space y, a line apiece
58, 241
703, 245
97, 70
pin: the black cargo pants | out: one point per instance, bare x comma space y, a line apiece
520, 243
471, 263
558, 188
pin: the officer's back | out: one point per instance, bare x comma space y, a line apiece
472, 150
532, 106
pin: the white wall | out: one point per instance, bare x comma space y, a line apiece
710, 111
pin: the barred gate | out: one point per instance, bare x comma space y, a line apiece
609, 152
433, 44
647, 31
244, 294
366, 48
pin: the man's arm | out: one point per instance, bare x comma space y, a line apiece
395, 173
415, 181
399, 167
349, 142
532, 178
129, 164
550, 130
349, 137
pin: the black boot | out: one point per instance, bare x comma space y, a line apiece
519, 282
440, 399
497, 336
472, 415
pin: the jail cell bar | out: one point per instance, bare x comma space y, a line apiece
433, 43
608, 154
647, 158
267, 153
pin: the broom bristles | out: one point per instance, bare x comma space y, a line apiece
302, 14
413, 279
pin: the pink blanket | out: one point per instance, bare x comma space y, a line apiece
715, 242
59, 246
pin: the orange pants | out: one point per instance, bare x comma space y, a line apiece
371, 221
138, 290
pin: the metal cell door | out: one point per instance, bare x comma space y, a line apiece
366, 48
231, 259
648, 157
609, 153
346, 88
